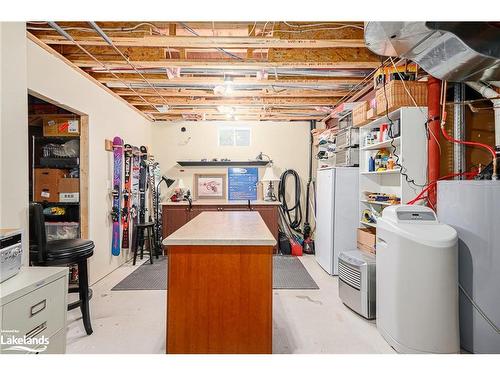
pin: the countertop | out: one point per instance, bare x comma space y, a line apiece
222, 202
234, 228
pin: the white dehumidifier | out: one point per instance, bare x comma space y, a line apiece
417, 281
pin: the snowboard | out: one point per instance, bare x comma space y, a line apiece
116, 193
142, 189
127, 195
134, 211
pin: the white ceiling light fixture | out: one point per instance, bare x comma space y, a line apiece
163, 108
229, 88
225, 109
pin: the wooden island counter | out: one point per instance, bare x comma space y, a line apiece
219, 292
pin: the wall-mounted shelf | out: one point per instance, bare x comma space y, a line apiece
380, 145
373, 225
50, 162
381, 203
388, 171
231, 163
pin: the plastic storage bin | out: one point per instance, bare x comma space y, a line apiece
62, 230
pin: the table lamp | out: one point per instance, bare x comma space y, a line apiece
270, 177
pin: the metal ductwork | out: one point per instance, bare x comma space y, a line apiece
452, 51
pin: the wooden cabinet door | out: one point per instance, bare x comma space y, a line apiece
173, 218
270, 216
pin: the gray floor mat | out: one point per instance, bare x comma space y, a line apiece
288, 273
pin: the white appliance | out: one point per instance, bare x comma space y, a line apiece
417, 281
357, 281
336, 215
11, 250
472, 208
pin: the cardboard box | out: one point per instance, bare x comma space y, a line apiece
61, 127
69, 185
366, 239
46, 183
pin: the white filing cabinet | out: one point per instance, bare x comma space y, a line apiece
33, 304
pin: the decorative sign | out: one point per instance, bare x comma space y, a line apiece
243, 183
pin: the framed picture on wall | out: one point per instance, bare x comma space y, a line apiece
209, 186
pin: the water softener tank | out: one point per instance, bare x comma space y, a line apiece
417, 281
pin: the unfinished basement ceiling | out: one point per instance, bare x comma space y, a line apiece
218, 70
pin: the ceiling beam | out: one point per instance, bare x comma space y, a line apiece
163, 41
229, 64
220, 117
240, 111
266, 93
234, 101
213, 81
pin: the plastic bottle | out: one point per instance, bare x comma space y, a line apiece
371, 164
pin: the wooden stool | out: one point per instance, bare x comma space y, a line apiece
144, 231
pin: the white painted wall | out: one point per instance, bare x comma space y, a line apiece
108, 117
287, 143
13, 129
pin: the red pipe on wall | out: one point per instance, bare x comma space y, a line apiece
433, 157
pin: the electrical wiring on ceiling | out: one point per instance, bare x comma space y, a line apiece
359, 86
135, 28
62, 32
217, 48
324, 24
253, 28
112, 45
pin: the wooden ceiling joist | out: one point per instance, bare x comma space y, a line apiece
163, 41
234, 101
229, 64
308, 56
213, 81
266, 93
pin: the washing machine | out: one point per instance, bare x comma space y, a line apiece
417, 281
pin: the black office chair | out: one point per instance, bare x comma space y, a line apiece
62, 253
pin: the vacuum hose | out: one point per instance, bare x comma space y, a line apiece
296, 208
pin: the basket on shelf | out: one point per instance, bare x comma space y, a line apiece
359, 114
398, 97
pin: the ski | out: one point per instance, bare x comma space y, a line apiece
127, 192
153, 193
134, 211
116, 193
142, 189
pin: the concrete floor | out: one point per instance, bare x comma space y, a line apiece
305, 321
